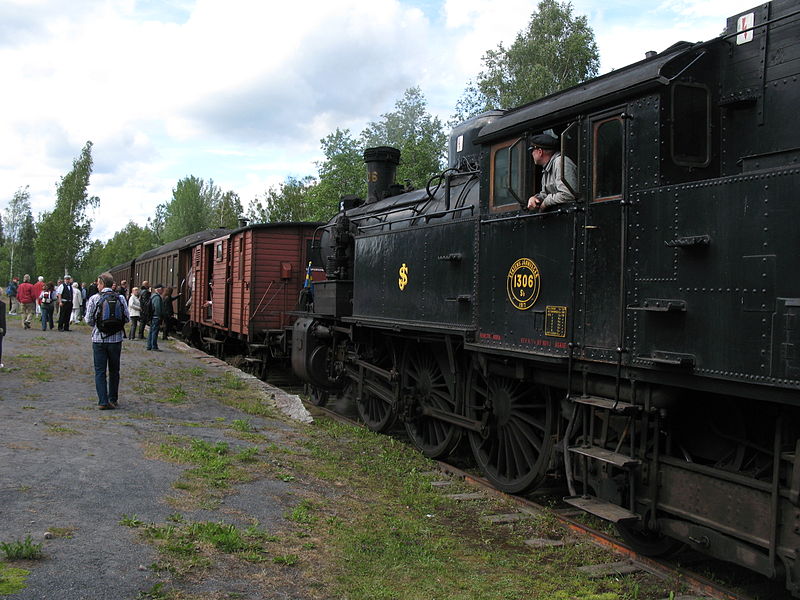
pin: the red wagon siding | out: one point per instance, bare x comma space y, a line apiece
252, 278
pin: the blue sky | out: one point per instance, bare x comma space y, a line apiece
241, 92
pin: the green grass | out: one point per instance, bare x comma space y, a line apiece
214, 466
176, 395
396, 536
186, 547
242, 425
22, 549
61, 429
12, 580
131, 521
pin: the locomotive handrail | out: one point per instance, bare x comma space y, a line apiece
539, 215
428, 217
764, 24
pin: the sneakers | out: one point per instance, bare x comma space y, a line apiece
106, 407
1, 365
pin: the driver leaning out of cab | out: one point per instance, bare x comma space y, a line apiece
554, 191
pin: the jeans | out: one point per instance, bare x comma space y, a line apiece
106, 356
47, 316
152, 338
134, 327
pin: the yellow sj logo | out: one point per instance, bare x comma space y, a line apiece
403, 281
523, 284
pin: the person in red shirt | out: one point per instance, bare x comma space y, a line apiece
37, 291
27, 299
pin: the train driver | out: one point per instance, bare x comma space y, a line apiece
545, 150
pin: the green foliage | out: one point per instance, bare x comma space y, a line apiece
188, 211
63, 233
196, 205
419, 137
288, 201
16, 217
341, 173
556, 51
21, 549
410, 128
128, 243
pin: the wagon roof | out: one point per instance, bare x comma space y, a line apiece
121, 266
184, 242
278, 225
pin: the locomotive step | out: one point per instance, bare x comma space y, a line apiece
614, 458
606, 403
601, 508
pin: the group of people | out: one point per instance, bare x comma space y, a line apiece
154, 308
65, 301
72, 302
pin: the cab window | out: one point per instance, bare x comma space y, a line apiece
607, 159
507, 175
691, 109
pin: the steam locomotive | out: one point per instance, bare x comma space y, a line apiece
641, 343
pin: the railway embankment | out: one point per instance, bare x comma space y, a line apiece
200, 486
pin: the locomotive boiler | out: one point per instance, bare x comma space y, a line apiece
640, 343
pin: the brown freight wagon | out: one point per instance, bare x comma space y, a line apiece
170, 265
244, 285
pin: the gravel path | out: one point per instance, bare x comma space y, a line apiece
67, 467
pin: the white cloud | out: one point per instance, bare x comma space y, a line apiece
242, 91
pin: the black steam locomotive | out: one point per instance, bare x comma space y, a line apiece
641, 342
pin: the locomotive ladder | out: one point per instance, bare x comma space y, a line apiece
590, 405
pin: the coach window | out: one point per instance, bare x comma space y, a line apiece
219, 251
607, 173
507, 175
691, 111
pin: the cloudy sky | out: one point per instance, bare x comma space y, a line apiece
241, 91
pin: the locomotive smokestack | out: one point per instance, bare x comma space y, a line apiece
381, 168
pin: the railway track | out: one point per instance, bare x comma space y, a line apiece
630, 561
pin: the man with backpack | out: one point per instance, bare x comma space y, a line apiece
107, 312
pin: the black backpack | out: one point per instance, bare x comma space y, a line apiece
109, 316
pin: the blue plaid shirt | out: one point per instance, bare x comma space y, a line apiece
91, 308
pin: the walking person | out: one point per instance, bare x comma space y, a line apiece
83, 300
2, 329
11, 292
107, 313
47, 302
144, 301
156, 308
27, 299
37, 289
169, 312
135, 309
64, 293
77, 301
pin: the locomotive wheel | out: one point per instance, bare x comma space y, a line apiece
424, 379
521, 420
378, 414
